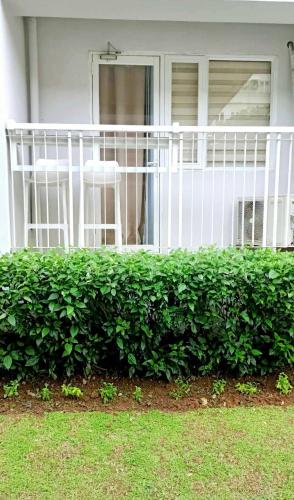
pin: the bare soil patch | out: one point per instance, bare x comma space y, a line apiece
156, 395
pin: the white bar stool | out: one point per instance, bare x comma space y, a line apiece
98, 175
52, 175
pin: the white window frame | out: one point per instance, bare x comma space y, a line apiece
203, 84
274, 73
202, 62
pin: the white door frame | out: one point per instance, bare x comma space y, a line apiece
133, 60
127, 60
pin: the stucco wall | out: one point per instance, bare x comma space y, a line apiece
64, 45
13, 104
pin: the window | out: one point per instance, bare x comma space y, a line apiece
220, 92
239, 93
184, 93
183, 104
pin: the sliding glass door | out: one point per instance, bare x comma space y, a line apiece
126, 92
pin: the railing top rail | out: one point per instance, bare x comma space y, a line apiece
175, 128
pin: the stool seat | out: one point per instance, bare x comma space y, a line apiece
50, 177
98, 175
101, 172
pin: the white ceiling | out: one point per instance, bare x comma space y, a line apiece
242, 11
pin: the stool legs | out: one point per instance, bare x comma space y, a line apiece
37, 224
93, 200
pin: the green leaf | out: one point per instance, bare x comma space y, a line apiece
132, 359
120, 343
45, 331
53, 296
74, 330
11, 320
256, 352
182, 287
273, 274
67, 349
245, 316
32, 361
7, 361
69, 311
30, 351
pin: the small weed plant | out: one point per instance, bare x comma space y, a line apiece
218, 386
45, 394
11, 389
183, 388
283, 384
107, 392
137, 394
248, 388
70, 391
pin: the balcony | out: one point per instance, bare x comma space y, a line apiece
154, 187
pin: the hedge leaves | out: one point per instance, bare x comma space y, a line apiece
148, 315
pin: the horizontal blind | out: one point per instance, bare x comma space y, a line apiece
185, 93
184, 103
239, 94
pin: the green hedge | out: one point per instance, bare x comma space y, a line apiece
144, 314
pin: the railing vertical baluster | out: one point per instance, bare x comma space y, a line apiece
169, 201
243, 190
234, 188
276, 192
147, 191
289, 177
35, 188
213, 188
204, 138
254, 189
95, 155
105, 190
192, 191
180, 228
13, 159
156, 204
25, 192
223, 189
266, 188
81, 207
46, 189
126, 212
136, 187
58, 193
70, 190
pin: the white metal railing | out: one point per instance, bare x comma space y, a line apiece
159, 187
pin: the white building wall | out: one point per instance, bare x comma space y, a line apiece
13, 103
64, 47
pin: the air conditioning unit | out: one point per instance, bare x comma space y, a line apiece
250, 221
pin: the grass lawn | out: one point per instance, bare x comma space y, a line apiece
210, 453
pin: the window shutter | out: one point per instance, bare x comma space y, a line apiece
239, 94
185, 93
184, 104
